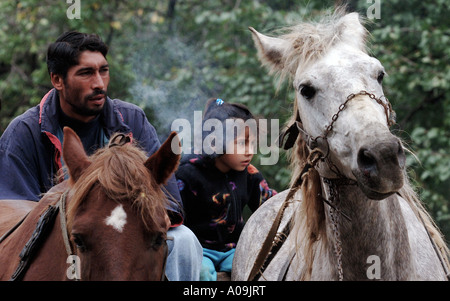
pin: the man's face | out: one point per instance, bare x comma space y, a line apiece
83, 91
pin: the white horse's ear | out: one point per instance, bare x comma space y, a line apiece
270, 50
351, 31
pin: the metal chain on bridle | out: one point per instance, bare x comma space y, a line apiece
390, 114
335, 218
316, 155
313, 142
333, 184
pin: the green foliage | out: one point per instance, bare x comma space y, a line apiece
171, 59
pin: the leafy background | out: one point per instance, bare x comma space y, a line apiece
170, 56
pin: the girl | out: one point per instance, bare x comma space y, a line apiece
215, 186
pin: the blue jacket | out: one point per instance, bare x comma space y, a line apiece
30, 147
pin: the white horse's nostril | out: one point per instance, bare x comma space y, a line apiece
367, 162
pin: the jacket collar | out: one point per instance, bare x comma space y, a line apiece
49, 107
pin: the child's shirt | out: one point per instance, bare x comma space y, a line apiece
214, 201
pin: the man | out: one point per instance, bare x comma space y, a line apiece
31, 146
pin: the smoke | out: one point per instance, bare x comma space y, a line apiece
173, 83
170, 80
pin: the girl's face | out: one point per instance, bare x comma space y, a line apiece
244, 147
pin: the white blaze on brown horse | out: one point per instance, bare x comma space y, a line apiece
350, 201
131, 247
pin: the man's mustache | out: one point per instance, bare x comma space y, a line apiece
96, 93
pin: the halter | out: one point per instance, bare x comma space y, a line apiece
65, 234
274, 240
313, 158
317, 155
297, 128
333, 202
42, 227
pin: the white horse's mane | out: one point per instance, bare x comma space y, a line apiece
309, 41
298, 54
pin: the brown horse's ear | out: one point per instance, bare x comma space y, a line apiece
74, 155
164, 162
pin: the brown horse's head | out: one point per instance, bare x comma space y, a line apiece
116, 213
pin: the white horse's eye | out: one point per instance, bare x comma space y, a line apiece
380, 77
307, 91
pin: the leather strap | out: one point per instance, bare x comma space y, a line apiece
268, 244
43, 226
63, 222
255, 273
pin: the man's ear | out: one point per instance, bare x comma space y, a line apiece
57, 81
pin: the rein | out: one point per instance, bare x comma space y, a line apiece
43, 227
65, 233
271, 244
316, 155
67, 245
63, 222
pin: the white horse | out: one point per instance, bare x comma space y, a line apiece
351, 213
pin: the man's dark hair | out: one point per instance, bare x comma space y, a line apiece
65, 51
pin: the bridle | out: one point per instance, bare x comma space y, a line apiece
333, 184
65, 234
270, 244
315, 155
312, 142
274, 240
43, 227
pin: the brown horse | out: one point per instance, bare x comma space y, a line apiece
115, 224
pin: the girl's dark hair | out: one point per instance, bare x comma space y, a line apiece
218, 109
223, 110
65, 51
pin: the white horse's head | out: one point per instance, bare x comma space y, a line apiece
326, 63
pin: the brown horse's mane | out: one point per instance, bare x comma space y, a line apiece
121, 173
